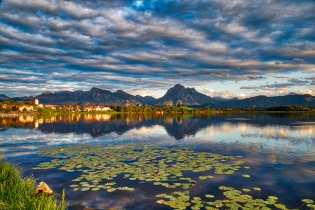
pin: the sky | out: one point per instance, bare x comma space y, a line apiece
225, 48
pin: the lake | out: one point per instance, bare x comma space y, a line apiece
279, 148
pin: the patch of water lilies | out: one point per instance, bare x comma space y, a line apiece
162, 166
167, 167
234, 199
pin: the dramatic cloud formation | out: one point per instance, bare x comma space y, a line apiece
149, 46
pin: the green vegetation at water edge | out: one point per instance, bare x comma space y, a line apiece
11, 107
161, 109
17, 192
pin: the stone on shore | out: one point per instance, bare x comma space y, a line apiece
42, 187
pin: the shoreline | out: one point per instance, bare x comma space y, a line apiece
157, 113
17, 191
168, 113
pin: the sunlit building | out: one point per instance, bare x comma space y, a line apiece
22, 108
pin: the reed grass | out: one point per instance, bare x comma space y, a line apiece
17, 192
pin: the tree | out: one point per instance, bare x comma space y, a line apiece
31, 102
14, 108
8, 109
124, 109
9, 101
118, 108
205, 108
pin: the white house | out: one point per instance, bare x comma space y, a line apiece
101, 108
27, 108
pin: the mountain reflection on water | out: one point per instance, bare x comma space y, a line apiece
279, 148
177, 126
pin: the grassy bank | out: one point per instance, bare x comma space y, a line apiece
17, 192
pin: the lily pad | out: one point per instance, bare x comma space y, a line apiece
160, 201
209, 196
307, 201
280, 206
111, 189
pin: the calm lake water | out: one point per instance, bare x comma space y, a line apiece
279, 148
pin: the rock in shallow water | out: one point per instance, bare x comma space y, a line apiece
42, 187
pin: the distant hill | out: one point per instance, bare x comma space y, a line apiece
186, 96
3, 97
173, 96
94, 96
224, 99
146, 99
177, 94
25, 98
264, 101
220, 99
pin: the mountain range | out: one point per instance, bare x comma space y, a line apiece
173, 96
3, 97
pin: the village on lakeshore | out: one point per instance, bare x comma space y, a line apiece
11, 108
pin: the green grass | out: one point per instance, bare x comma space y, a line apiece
176, 107
17, 193
186, 108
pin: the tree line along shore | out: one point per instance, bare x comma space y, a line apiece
10, 107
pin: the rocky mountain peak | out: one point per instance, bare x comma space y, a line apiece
95, 89
120, 92
178, 86
2, 96
182, 95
